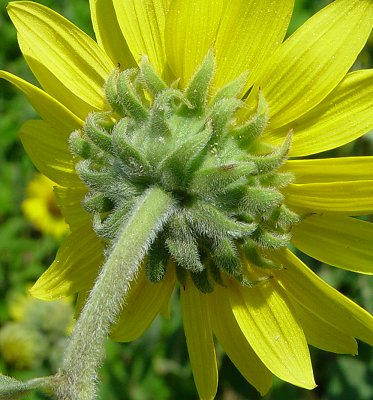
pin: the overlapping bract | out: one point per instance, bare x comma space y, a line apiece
191, 147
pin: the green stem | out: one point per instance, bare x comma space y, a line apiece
77, 378
12, 389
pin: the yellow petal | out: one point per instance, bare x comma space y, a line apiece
199, 338
75, 267
321, 299
339, 169
190, 32
38, 211
81, 300
143, 303
108, 33
273, 332
69, 65
46, 106
142, 23
193, 27
344, 115
343, 198
234, 342
69, 201
340, 241
39, 207
48, 150
310, 64
248, 34
322, 335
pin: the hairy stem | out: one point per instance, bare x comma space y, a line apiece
85, 352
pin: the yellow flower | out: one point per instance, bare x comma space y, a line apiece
35, 326
41, 209
21, 346
54, 318
305, 87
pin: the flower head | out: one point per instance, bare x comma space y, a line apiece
21, 347
41, 209
36, 326
205, 101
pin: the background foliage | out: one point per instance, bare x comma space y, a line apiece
155, 366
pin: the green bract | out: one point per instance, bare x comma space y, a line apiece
224, 181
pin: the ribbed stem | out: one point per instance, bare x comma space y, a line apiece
78, 375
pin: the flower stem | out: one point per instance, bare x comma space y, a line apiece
77, 378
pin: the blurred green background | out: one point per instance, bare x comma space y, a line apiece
155, 366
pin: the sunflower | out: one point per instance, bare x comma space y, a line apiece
39, 207
178, 138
